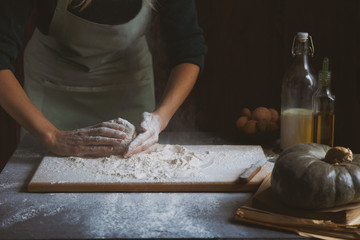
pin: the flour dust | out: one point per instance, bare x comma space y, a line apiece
164, 163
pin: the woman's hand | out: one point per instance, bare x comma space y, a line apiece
151, 126
181, 80
102, 139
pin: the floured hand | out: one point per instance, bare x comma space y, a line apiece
151, 128
103, 139
130, 133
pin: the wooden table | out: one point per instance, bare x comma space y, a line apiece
26, 215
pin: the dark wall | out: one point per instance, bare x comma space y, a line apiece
249, 50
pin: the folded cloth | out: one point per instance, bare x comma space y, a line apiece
263, 209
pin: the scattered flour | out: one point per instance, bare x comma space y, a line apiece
28, 211
165, 162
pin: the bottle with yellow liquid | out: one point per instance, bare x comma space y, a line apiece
324, 108
298, 87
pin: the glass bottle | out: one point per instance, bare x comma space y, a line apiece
324, 108
298, 87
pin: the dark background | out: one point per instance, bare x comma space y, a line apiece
249, 45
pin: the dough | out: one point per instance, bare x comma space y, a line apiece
130, 132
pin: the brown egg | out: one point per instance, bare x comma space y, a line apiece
250, 127
245, 112
263, 125
273, 126
241, 122
261, 113
274, 115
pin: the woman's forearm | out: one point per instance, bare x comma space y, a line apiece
181, 81
15, 101
102, 139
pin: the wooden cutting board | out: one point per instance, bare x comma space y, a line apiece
221, 170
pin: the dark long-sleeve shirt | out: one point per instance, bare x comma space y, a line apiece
179, 29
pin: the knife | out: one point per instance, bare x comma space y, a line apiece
250, 172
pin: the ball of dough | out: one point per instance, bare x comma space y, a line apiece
130, 132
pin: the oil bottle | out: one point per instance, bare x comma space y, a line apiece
298, 87
324, 108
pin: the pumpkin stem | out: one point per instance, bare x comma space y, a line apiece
338, 155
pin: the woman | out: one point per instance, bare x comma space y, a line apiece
88, 62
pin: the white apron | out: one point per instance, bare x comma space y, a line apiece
84, 73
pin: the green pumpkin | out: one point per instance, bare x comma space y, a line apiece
302, 178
